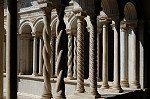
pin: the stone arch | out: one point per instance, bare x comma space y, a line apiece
72, 24
110, 8
53, 25
26, 27
26, 47
38, 26
130, 12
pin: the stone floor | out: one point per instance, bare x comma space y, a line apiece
136, 94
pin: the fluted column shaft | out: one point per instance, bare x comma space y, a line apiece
105, 57
40, 57
70, 58
80, 55
116, 82
134, 83
75, 58
34, 56
124, 55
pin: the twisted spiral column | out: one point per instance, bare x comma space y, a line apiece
52, 60
75, 58
92, 57
46, 57
70, 61
80, 55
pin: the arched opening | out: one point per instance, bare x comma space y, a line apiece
37, 48
109, 11
25, 42
130, 12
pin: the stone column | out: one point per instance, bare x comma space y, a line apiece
1, 46
4, 54
134, 83
116, 82
40, 56
92, 55
80, 53
98, 54
105, 56
124, 55
75, 58
52, 43
11, 52
70, 54
47, 94
34, 56
22, 58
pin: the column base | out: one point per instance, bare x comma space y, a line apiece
34, 74
47, 96
98, 79
117, 89
70, 77
60, 97
124, 83
104, 86
40, 74
21, 73
79, 91
135, 85
95, 94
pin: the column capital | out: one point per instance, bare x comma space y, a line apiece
68, 31
124, 26
80, 14
130, 24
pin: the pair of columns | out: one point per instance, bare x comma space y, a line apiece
80, 55
116, 83
35, 53
72, 55
128, 55
25, 54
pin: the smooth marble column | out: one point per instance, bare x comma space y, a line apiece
40, 56
105, 57
1, 46
22, 58
4, 56
124, 55
98, 57
34, 56
11, 52
116, 82
134, 83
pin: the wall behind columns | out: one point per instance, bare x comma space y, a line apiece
1, 46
